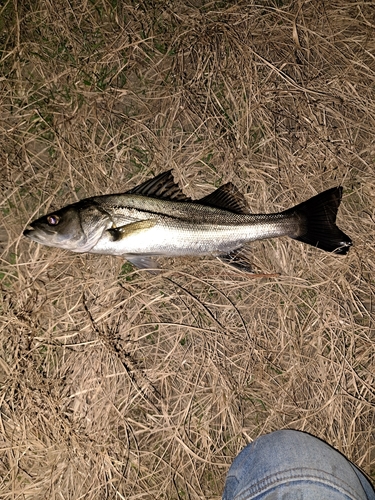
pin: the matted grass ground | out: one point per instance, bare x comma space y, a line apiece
119, 384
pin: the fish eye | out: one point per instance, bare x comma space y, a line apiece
53, 220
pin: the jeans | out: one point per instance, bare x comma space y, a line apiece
293, 465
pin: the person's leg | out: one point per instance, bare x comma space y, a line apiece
294, 465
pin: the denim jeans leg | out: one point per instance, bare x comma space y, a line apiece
294, 465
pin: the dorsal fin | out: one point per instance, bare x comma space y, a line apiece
162, 186
227, 197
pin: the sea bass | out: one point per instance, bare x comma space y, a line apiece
157, 219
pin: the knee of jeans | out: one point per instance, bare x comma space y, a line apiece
231, 485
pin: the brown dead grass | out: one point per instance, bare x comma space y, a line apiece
125, 385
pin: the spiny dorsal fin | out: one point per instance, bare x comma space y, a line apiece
227, 197
162, 186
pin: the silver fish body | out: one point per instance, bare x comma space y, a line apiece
155, 227
157, 219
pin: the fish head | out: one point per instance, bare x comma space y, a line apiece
77, 227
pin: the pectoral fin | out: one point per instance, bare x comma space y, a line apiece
119, 233
122, 232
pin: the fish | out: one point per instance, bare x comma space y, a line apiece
156, 219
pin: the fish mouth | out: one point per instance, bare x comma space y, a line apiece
35, 234
29, 229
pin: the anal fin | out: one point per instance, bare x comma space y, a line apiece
237, 259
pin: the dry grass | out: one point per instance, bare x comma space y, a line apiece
124, 385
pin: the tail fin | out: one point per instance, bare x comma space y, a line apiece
318, 222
